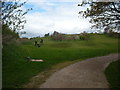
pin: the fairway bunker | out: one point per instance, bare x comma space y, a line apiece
36, 60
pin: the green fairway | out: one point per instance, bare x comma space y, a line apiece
18, 71
112, 73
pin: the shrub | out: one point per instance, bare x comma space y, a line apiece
46, 35
8, 34
58, 37
70, 38
113, 34
84, 36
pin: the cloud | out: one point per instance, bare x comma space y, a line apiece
57, 16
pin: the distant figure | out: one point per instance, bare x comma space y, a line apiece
38, 45
28, 58
35, 43
41, 41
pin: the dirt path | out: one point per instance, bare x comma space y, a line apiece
84, 74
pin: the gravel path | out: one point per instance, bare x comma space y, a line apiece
84, 74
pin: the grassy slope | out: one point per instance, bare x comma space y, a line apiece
112, 73
17, 71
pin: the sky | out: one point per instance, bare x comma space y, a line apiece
49, 16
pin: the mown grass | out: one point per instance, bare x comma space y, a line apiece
17, 71
112, 73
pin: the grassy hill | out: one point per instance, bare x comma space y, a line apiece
18, 71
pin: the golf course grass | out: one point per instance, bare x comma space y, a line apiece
16, 70
112, 73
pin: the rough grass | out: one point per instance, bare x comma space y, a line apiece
112, 73
17, 71
8, 32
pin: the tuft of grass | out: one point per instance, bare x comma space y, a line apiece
112, 73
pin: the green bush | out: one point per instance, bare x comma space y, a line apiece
84, 36
8, 34
113, 34
58, 37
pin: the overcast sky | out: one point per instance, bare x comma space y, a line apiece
49, 16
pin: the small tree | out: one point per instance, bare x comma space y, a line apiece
12, 14
46, 35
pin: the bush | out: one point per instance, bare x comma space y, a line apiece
84, 36
70, 38
8, 34
58, 37
113, 34
46, 35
